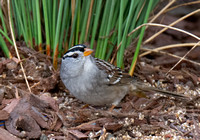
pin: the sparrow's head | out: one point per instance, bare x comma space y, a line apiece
74, 59
77, 52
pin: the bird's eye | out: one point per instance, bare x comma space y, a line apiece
75, 55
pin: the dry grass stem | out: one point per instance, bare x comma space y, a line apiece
175, 56
167, 47
184, 56
184, 4
172, 24
162, 11
165, 26
113, 58
89, 18
15, 46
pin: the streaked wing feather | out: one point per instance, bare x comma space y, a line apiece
114, 74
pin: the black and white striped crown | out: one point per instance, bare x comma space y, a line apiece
77, 48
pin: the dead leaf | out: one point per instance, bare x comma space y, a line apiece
5, 135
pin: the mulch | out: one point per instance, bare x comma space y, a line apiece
51, 112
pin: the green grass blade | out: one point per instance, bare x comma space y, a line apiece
103, 27
16, 21
3, 22
46, 22
97, 9
39, 31
34, 21
20, 21
121, 13
103, 54
58, 27
120, 53
4, 47
78, 19
6, 36
140, 38
68, 21
29, 23
24, 21
84, 20
136, 17
55, 9
73, 24
64, 24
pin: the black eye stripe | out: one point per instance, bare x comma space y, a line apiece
75, 55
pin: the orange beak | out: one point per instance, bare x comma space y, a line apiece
87, 51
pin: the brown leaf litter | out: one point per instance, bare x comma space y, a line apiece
51, 113
30, 113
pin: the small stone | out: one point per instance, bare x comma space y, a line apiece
12, 65
2, 92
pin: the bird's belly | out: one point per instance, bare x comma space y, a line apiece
94, 95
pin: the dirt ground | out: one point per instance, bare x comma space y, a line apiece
51, 112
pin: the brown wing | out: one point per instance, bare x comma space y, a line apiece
115, 75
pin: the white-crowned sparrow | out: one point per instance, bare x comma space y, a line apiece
96, 81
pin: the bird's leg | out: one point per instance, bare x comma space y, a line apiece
84, 106
112, 107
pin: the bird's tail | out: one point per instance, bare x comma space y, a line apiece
144, 88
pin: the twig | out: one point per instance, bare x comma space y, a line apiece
16, 93
15, 46
162, 11
172, 24
166, 26
88, 21
174, 28
167, 47
183, 57
175, 56
184, 4
113, 58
